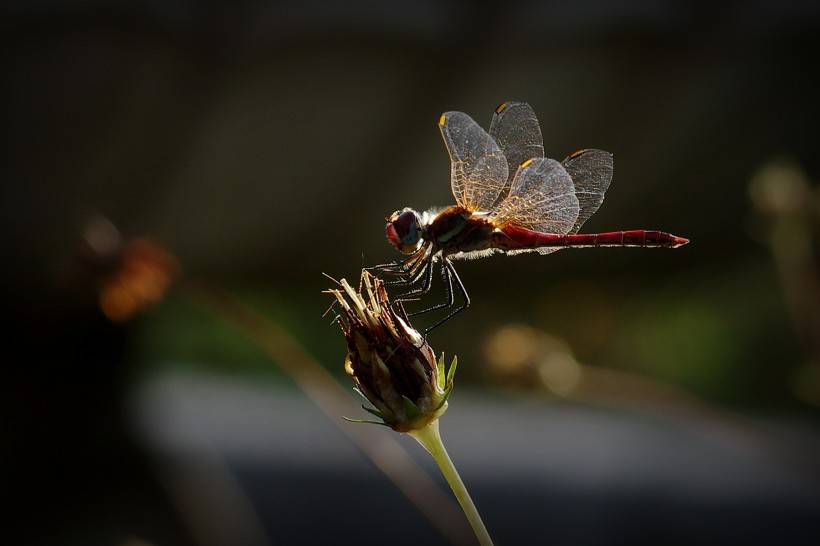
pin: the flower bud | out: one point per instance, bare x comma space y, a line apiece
391, 364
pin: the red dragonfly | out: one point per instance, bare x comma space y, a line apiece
510, 199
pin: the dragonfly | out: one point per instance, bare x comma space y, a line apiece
510, 199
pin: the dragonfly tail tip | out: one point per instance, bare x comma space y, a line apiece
679, 241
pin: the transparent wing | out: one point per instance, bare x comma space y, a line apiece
516, 131
478, 169
542, 198
591, 172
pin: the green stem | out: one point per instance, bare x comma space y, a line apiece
430, 438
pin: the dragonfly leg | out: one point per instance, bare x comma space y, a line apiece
426, 276
392, 268
448, 287
415, 275
406, 281
398, 268
465, 298
401, 268
414, 270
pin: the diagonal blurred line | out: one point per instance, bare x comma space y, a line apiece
211, 500
319, 385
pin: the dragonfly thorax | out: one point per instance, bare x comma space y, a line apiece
404, 230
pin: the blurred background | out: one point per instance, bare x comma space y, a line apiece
179, 174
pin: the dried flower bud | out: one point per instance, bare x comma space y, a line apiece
391, 363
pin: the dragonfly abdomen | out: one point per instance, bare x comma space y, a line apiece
515, 238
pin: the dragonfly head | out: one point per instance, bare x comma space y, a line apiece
404, 230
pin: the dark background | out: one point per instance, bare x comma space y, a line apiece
662, 396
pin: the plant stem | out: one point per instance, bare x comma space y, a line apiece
430, 438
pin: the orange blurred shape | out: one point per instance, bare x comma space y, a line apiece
523, 356
145, 272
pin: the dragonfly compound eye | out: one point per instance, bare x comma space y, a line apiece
403, 230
